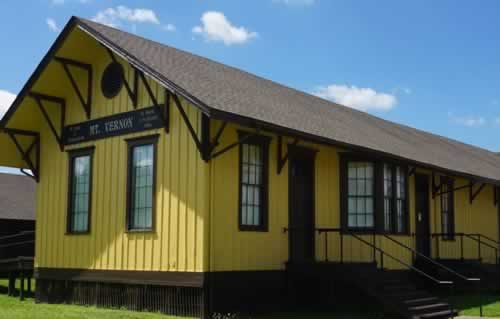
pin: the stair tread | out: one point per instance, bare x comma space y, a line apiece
428, 306
437, 314
420, 300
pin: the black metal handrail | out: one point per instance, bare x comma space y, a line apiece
478, 238
439, 265
414, 252
496, 242
380, 251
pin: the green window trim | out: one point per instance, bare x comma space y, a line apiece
253, 183
388, 195
141, 183
78, 219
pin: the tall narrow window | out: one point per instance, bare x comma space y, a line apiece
253, 183
360, 194
447, 209
401, 207
388, 199
395, 199
141, 183
79, 190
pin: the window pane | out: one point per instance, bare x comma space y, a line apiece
142, 187
80, 191
252, 177
360, 202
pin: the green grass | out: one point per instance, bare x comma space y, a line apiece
468, 305
13, 308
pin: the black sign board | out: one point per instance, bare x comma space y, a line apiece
123, 123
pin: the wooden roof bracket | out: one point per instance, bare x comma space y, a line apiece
241, 140
133, 92
280, 158
165, 112
39, 98
411, 171
218, 134
194, 135
436, 188
26, 153
473, 194
85, 102
453, 190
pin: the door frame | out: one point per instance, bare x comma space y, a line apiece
308, 154
428, 226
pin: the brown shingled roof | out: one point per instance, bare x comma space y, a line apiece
220, 90
17, 197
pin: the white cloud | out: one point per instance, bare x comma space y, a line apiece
216, 27
51, 23
169, 27
6, 99
469, 121
61, 2
364, 99
113, 16
297, 3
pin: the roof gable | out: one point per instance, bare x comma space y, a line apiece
218, 89
230, 90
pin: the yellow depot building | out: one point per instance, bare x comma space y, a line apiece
169, 182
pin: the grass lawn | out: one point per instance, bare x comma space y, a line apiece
469, 305
12, 308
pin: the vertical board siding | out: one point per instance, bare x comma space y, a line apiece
480, 217
180, 215
232, 249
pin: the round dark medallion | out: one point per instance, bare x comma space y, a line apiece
112, 80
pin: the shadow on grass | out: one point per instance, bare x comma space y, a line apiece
469, 304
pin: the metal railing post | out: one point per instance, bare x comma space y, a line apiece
480, 299
462, 246
341, 247
374, 247
381, 260
438, 255
326, 246
479, 248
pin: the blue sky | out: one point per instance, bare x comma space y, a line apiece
434, 65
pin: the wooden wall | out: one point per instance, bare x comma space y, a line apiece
177, 244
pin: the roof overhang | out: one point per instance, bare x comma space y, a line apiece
7, 122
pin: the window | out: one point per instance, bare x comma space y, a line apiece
360, 195
374, 195
395, 201
141, 183
447, 209
388, 199
401, 201
253, 183
79, 190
